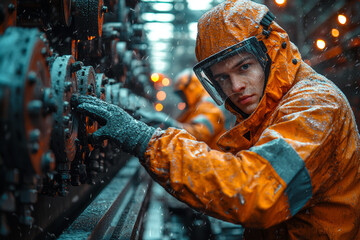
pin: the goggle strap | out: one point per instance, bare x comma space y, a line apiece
265, 22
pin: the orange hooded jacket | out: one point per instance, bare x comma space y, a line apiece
202, 118
291, 170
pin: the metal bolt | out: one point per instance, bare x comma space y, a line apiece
67, 133
294, 61
32, 78
66, 106
76, 66
27, 220
115, 34
34, 107
34, 148
44, 51
51, 106
34, 135
51, 51
283, 45
104, 9
105, 81
11, 8
47, 161
66, 120
68, 86
70, 117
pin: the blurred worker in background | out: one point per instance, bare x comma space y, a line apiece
291, 166
201, 116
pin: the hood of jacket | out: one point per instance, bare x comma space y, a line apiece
234, 21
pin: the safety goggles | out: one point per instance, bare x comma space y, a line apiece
203, 68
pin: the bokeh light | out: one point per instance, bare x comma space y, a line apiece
335, 32
159, 107
155, 77
161, 95
181, 106
166, 82
342, 19
280, 2
320, 44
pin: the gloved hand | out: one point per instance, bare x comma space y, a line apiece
130, 135
158, 119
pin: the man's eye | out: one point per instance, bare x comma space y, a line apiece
245, 66
221, 79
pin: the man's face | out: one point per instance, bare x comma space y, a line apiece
241, 77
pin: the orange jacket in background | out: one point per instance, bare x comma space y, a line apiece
291, 170
202, 118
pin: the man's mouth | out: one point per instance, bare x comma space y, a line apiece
245, 99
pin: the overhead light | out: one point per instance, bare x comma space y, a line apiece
162, 6
335, 32
342, 19
320, 44
160, 46
155, 77
159, 107
199, 5
157, 31
280, 2
158, 17
193, 30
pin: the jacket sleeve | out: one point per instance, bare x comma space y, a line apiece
258, 187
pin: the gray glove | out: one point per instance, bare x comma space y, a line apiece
156, 119
130, 135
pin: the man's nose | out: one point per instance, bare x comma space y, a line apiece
237, 84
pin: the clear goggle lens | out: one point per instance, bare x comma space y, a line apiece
203, 68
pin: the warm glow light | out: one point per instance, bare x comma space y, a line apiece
159, 107
335, 32
342, 19
91, 38
165, 82
320, 44
161, 95
280, 2
155, 77
181, 106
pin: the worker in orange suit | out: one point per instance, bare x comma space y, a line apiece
289, 169
201, 117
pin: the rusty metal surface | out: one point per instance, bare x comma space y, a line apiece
28, 120
46, 158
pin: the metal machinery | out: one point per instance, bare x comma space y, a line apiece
50, 52
54, 183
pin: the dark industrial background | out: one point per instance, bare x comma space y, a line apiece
54, 182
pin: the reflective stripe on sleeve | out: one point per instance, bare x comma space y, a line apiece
291, 168
204, 120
